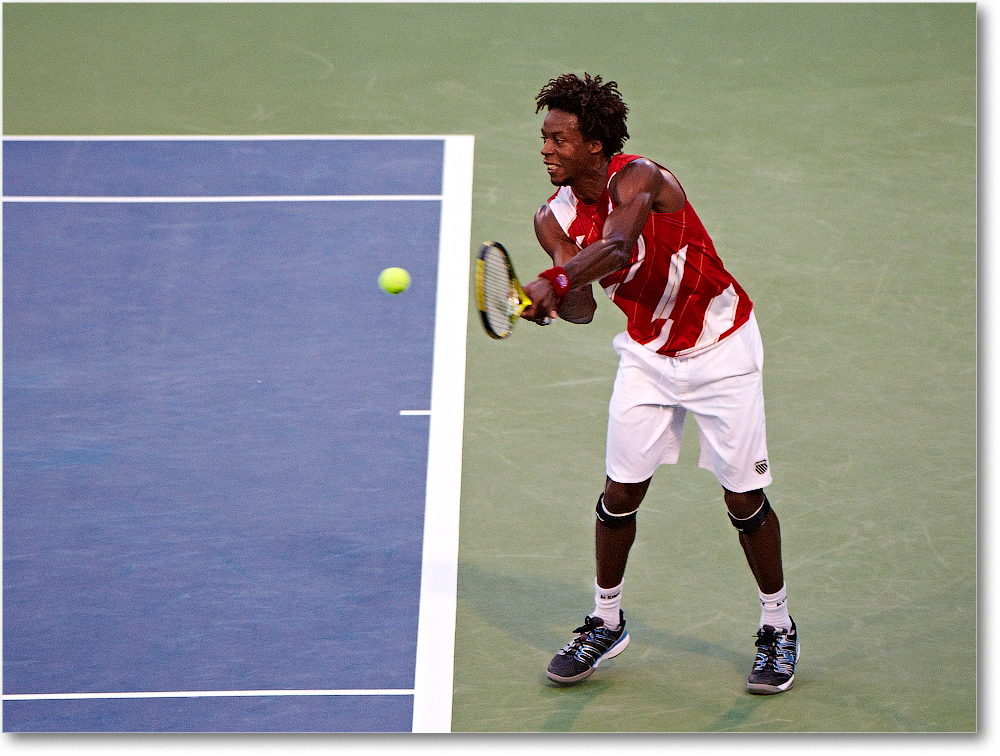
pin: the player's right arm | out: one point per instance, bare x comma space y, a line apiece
579, 305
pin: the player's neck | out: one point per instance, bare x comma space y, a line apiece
590, 186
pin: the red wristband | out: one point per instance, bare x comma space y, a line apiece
559, 280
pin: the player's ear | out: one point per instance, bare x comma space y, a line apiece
596, 145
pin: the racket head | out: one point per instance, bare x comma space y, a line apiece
499, 295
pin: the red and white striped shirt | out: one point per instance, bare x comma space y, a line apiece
675, 291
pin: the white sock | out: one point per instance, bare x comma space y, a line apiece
607, 604
774, 609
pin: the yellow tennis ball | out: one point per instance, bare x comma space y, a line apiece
394, 280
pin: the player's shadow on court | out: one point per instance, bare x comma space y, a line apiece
504, 600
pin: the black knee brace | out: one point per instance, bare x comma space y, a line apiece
611, 520
752, 523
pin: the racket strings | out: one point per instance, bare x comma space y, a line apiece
499, 297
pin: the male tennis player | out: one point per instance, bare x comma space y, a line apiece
692, 345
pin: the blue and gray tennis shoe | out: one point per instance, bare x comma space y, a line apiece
579, 658
774, 668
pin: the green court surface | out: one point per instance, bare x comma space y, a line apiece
830, 151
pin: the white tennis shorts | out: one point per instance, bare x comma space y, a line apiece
723, 388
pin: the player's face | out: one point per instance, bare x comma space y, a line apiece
567, 155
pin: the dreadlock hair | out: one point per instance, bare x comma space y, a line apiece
599, 108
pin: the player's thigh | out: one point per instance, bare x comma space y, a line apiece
734, 448
641, 436
727, 402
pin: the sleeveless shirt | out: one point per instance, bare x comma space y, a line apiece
675, 291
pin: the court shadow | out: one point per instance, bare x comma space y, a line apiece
738, 715
503, 600
569, 702
649, 681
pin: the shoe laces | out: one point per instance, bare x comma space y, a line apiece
593, 640
774, 650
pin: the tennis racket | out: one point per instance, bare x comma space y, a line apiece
499, 295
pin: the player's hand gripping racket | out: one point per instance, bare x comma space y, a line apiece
499, 295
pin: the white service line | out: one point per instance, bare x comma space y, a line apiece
224, 137
265, 198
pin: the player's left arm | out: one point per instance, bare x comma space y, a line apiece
579, 305
636, 190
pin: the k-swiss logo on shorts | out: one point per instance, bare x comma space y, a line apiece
761, 467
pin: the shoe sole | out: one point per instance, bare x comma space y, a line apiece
761, 689
769, 690
612, 652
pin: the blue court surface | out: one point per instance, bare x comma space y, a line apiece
223, 445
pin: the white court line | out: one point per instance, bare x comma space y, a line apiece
265, 198
435, 658
199, 694
434, 674
226, 138
234, 138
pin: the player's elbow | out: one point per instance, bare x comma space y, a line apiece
577, 319
618, 252
578, 307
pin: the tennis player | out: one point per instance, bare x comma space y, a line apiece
691, 345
